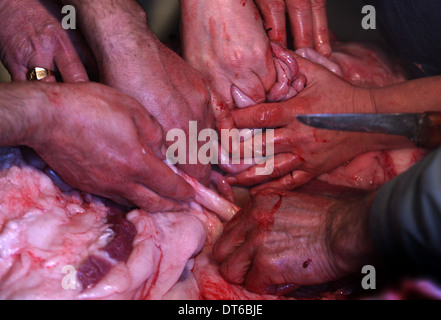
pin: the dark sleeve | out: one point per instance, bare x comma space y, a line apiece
405, 218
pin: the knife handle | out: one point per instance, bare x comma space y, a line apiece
430, 130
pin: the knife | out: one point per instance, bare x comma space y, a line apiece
423, 129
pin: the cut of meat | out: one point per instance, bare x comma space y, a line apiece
43, 230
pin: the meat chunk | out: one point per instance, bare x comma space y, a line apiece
114, 255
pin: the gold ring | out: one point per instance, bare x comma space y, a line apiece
38, 73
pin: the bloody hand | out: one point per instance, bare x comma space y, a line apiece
283, 240
301, 152
308, 21
31, 35
104, 142
131, 59
226, 41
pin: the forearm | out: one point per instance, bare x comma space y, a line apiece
21, 114
412, 96
112, 26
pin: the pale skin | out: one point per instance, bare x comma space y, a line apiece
131, 59
96, 138
227, 43
307, 20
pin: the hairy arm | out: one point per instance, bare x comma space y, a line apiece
20, 118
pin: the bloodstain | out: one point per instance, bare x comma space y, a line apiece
317, 138
243, 2
221, 106
267, 219
155, 278
390, 170
306, 263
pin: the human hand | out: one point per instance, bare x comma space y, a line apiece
283, 240
302, 153
131, 59
307, 18
31, 35
226, 41
104, 142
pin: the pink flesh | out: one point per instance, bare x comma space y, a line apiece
43, 229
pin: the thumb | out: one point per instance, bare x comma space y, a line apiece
151, 132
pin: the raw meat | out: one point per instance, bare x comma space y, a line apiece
43, 230
119, 254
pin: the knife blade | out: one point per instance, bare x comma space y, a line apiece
423, 129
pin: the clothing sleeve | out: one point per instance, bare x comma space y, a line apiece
405, 218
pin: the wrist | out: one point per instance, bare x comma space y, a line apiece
24, 114
366, 101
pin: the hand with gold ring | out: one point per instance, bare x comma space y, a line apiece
31, 36
38, 73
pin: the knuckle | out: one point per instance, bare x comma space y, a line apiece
265, 118
318, 4
236, 57
289, 182
276, 172
275, 6
299, 5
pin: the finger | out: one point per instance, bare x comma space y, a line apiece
17, 72
267, 115
276, 167
153, 174
222, 113
147, 200
222, 186
236, 266
70, 67
300, 16
274, 16
300, 83
290, 181
264, 144
149, 129
259, 276
320, 27
43, 62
